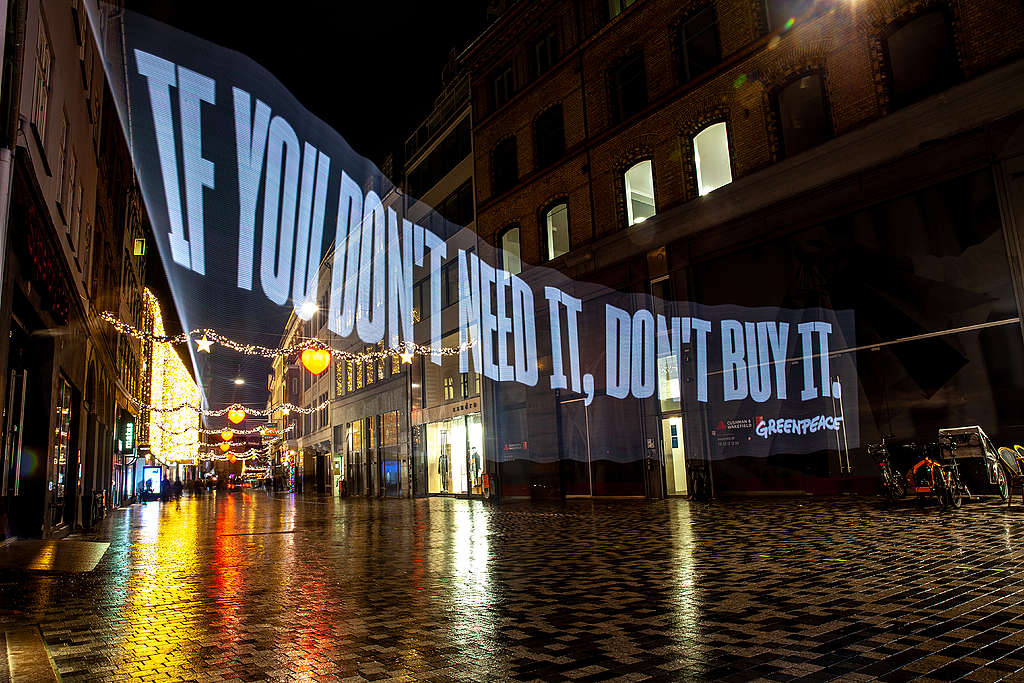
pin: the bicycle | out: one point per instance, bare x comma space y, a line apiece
893, 486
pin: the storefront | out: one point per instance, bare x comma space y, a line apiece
453, 449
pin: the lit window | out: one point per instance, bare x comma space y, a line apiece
803, 116
615, 7
639, 181
511, 259
449, 388
556, 230
711, 156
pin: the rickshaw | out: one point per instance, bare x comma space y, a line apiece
1011, 461
976, 457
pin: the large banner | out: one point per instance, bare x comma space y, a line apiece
253, 200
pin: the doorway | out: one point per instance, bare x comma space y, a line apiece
674, 452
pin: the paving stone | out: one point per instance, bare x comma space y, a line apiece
446, 589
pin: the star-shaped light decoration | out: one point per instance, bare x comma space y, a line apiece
406, 357
204, 344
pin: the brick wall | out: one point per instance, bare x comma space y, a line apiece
843, 41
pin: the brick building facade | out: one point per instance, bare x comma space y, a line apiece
861, 140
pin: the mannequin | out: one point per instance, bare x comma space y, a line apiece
474, 466
444, 466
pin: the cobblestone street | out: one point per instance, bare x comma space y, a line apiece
256, 586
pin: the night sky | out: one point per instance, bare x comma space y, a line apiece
390, 52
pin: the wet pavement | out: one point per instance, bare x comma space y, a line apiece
260, 586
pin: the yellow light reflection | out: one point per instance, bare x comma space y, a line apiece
164, 624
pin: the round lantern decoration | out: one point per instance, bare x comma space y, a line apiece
225, 446
236, 415
316, 360
227, 435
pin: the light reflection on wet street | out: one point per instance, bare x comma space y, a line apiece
255, 586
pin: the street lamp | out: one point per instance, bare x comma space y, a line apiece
239, 381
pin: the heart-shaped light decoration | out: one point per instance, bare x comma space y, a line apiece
231, 457
225, 446
316, 360
227, 435
236, 415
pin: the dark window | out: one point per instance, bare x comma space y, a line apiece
698, 44
503, 86
458, 206
545, 52
449, 283
921, 58
628, 87
505, 165
803, 114
779, 12
448, 153
421, 300
549, 132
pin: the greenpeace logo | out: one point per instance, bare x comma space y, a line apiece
766, 428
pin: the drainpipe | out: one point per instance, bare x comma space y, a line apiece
15, 16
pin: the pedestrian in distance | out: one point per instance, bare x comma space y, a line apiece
178, 488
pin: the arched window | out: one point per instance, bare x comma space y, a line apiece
504, 164
803, 115
711, 157
922, 60
639, 185
549, 132
556, 231
511, 254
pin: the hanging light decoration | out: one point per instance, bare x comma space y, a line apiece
236, 414
231, 457
210, 337
227, 435
225, 446
316, 360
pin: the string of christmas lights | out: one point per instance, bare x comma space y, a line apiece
234, 432
211, 336
286, 407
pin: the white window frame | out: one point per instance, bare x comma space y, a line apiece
62, 168
548, 242
630, 218
41, 87
703, 187
513, 266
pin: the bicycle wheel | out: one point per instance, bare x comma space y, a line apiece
1002, 482
939, 487
955, 488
